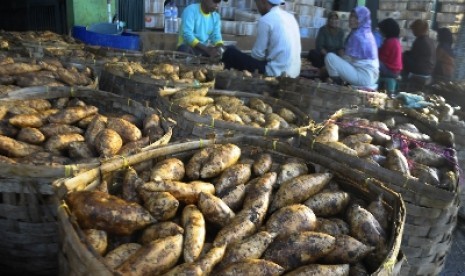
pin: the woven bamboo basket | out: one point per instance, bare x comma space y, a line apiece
93, 82
235, 81
204, 126
167, 56
27, 216
141, 88
79, 258
38, 49
129, 55
320, 100
431, 211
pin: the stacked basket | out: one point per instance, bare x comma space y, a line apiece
143, 88
240, 81
79, 258
431, 211
206, 126
27, 216
320, 100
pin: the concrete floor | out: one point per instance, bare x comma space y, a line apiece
455, 261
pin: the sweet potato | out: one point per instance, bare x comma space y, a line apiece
26, 120
287, 115
193, 223
235, 197
30, 135
102, 211
127, 130
134, 147
251, 247
161, 205
299, 249
321, 270
169, 169
38, 104
196, 162
12, 148
260, 105
257, 267
299, 189
152, 120
108, 143
118, 255
328, 203
186, 192
98, 123
80, 150
58, 129
60, 142
131, 183
291, 219
251, 217
18, 68
330, 133
154, 258
292, 168
332, 226
231, 177
193, 100
364, 226
262, 164
222, 158
160, 230
8, 130
347, 251
214, 209
71, 115
380, 212
97, 239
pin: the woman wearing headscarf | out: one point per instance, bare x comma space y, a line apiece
390, 52
421, 57
359, 66
330, 39
445, 61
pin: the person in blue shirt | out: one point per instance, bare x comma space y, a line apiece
200, 31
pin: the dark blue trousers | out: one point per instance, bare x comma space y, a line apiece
234, 58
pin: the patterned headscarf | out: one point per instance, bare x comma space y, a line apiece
361, 43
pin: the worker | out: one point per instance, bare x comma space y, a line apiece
360, 65
200, 31
277, 47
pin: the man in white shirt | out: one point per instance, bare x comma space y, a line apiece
277, 48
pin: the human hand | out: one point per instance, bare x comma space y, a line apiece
214, 51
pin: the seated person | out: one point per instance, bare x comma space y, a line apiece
359, 66
277, 47
200, 29
421, 57
330, 39
445, 62
390, 53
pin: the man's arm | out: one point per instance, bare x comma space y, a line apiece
261, 44
216, 38
188, 23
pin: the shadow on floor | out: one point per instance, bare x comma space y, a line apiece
455, 261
